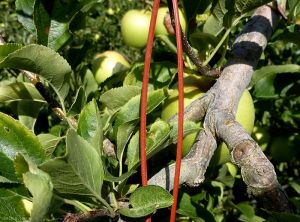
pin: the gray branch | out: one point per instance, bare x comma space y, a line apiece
218, 110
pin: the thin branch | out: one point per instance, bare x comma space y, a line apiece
202, 69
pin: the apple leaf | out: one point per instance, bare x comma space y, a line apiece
188, 128
224, 13
8, 48
52, 20
11, 206
146, 200
16, 138
28, 112
156, 136
161, 74
115, 98
40, 186
24, 10
44, 62
189, 208
90, 126
85, 162
49, 142
131, 110
65, 179
123, 136
79, 102
272, 70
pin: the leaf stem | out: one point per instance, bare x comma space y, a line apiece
217, 47
168, 42
205, 63
84, 208
111, 211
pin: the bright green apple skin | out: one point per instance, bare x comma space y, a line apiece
170, 108
160, 28
245, 116
135, 27
104, 64
262, 136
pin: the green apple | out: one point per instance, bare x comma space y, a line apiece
262, 136
170, 108
160, 28
135, 27
106, 64
28, 205
283, 148
245, 116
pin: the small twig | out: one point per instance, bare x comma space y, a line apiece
87, 216
202, 69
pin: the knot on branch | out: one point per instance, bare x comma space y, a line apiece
257, 172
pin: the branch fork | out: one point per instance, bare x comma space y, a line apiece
217, 109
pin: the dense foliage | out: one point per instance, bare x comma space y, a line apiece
58, 165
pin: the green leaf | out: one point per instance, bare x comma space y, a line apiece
7, 169
49, 142
11, 206
123, 136
28, 112
89, 82
244, 6
192, 8
20, 92
295, 186
40, 186
85, 162
225, 12
24, 10
246, 209
53, 28
294, 10
265, 88
115, 98
66, 180
131, 110
146, 200
272, 70
286, 217
111, 178
161, 75
90, 126
8, 48
16, 138
43, 61
188, 128
156, 136
189, 208
79, 102
202, 41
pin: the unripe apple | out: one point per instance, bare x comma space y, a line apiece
262, 136
135, 27
170, 108
245, 116
106, 64
160, 28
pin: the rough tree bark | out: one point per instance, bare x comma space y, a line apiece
217, 110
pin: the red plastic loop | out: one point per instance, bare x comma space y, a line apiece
144, 94
180, 109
